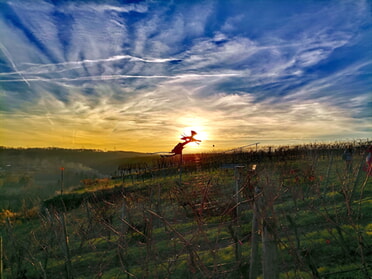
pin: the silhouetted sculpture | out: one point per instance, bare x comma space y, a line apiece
177, 150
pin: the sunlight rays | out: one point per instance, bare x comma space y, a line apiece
94, 74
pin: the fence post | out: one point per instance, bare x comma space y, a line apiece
255, 196
269, 241
269, 250
254, 261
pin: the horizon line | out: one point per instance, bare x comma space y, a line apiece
246, 147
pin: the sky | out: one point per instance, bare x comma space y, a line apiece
135, 75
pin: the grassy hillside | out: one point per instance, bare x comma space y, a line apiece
29, 175
153, 221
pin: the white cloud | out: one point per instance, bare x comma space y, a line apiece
139, 8
125, 80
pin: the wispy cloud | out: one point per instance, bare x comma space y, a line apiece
9, 57
106, 74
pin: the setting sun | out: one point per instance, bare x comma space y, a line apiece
197, 139
200, 134
77, 83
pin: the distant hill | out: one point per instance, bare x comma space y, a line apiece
34, 158
29, 173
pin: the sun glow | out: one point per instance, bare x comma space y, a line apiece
201, 135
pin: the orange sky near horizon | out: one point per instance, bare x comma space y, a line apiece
114, 75
52, 134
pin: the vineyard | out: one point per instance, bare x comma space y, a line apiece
294, 212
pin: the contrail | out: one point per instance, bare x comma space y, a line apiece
110, 59
34, 68
113, 77
7, 55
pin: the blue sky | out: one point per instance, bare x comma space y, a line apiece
133, 75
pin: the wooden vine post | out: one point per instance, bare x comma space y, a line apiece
269, 244
255, 237
264, 224
255, 195
177, 150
